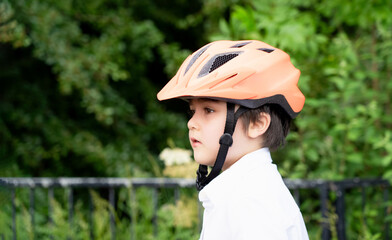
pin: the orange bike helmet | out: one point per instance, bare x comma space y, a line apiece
249, 73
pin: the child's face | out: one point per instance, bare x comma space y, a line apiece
206, 126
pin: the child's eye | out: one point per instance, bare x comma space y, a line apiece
209, 110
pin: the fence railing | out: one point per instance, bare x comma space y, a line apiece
328, 192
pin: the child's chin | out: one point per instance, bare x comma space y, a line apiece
209, 163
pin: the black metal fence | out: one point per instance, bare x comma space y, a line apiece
328, 193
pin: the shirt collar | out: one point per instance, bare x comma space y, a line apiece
223, 183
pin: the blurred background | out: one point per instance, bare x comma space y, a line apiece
78, 83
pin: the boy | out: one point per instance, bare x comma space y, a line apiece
256, 83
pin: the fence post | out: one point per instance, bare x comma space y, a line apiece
155, 207
32, 211
340, 208
387, 211
70, 209
133, 212
297, 197
91, 212
324, 192
176, 195
112, 212
50, 208
13, 215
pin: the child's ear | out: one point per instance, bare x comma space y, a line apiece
260, 126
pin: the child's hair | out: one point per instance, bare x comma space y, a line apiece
279, 127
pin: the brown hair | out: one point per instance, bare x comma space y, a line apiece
275, 136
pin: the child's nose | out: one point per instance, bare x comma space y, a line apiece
192, 123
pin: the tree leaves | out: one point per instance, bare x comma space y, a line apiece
78, 100
340, 48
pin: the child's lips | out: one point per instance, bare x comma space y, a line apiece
194, 142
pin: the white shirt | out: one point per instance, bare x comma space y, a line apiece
250, 201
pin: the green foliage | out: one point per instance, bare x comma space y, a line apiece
343, 50
79, 100
133, 216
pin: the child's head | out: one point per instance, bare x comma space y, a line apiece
247, 80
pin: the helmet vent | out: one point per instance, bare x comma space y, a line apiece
241, 44
216, 62
219, 61
195, 57
267, 50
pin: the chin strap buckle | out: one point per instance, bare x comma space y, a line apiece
226, 139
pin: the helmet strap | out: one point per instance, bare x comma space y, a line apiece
225, 141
